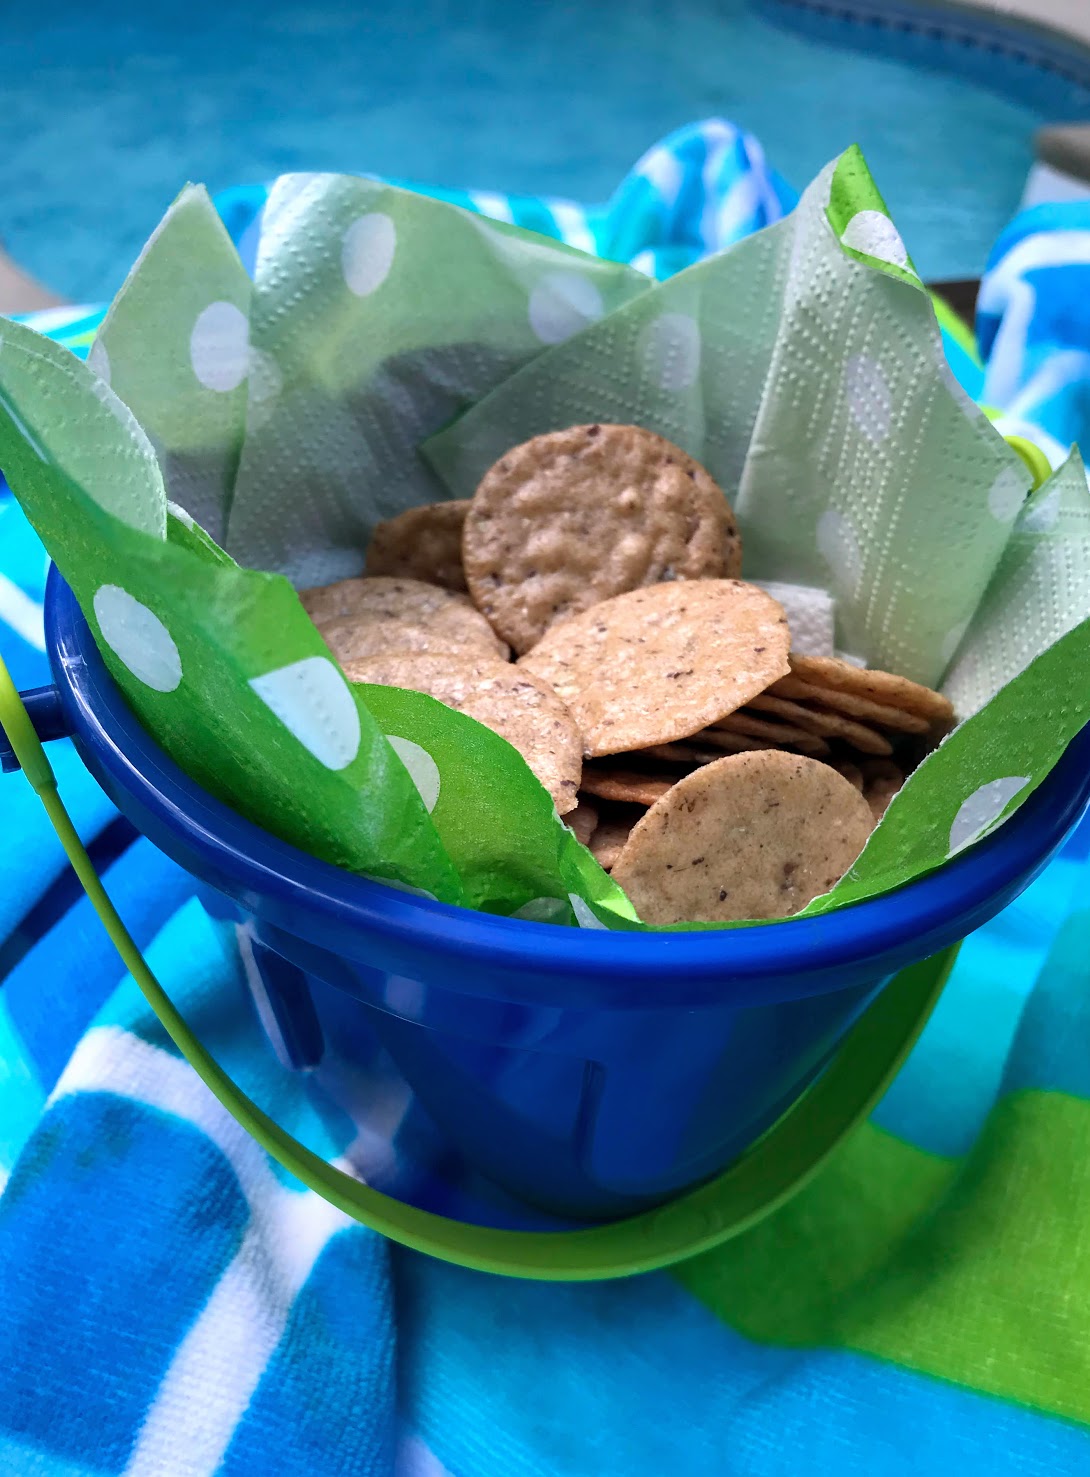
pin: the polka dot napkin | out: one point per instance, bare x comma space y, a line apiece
234, 437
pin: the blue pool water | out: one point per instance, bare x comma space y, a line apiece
106, 110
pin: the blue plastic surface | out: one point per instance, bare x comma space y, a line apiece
44, 711
590, 1073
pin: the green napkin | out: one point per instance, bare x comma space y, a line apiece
388, 349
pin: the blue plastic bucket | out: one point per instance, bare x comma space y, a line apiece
589, 1073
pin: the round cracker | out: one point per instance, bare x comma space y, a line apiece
719, 741
692, 753
884, 715
727, 741
609, 840
422, 543
826, 724
881, 781
754, 727
583, 820
777, 735
626, 784
751, 836
356, 640
573, 517
514, 704
659, 664
411, 606
882, 687
852, 773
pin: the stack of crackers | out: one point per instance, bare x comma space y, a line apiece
586, 605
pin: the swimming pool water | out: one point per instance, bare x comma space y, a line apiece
105, 111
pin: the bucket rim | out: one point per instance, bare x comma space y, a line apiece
892, 928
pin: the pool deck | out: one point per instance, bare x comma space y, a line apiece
1067, 17
19, 293
1063, 152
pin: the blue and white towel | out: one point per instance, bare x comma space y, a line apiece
1033, 324
172, 1306
702, 188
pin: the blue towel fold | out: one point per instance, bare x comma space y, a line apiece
1033, 323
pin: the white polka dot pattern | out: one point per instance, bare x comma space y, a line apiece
874, 234
219, 347
314, 702
138, 638
367, 252
561, 304
1007, 494
423, 770
979, 813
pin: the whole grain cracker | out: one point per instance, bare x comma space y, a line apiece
881, 781
356, 640
751, 836
626, 784
696, 752
884, 715
828, 725
422, 543
450, 619
882, 687
583, 820
363, 595
725, 742
777, 735
515, 704
852, 773
661, 663
610, 837
573, 517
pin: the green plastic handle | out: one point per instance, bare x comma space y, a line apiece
774, 1168
1038, 465
1040, 468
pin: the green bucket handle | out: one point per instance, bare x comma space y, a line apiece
766, 1175
1038, 465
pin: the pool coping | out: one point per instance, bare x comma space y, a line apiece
964, 36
